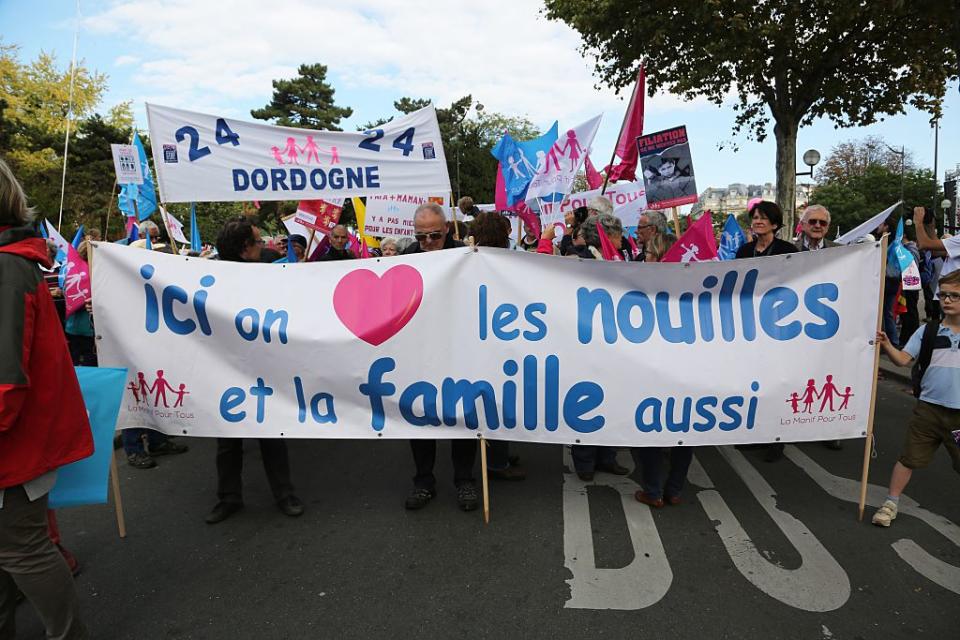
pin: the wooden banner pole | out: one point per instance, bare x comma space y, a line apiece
868, 444
485, 481
117, 501
676, 222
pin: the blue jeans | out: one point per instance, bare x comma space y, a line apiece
586, 458
133, 441
652, 460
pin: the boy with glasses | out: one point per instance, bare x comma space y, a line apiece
936, 417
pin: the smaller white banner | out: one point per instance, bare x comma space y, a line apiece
629, 201
392, 216
126, 162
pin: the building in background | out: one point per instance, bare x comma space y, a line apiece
734, 197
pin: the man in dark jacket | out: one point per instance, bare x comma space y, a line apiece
239, 241
431, 234
338, 245
43, 425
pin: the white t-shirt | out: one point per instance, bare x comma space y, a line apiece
952, 262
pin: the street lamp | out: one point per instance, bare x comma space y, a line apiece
811, 158
946, 205
902, 153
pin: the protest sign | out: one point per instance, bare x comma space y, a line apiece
392, 216
628, 198
85, 481
208, 158
667, 168
533, 348
319, 215
126, 162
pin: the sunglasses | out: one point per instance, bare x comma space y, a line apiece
433, 235
818, 223
950, 296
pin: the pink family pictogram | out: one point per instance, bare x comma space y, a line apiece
291, 152
826, 394
142, 392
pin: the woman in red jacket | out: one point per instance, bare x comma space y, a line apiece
43, 424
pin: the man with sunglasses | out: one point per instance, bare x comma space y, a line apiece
430, 232
814, 224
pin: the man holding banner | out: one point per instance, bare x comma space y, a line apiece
36, 376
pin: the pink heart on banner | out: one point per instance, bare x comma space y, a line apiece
374, 308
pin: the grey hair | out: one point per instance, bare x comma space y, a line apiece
658, 220
404, 243
432, 207
600, 204
611, 225
147, 226
13, 201
387, 241
811, 209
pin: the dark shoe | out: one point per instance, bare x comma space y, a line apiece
834, 445
291, 506
419, 498
514, 460
510, 473
613, 468
467, 497
656, 503
673, 500
168, 448
141, 460
586, 476
222, 511
774, 452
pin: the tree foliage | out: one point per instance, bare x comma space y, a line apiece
305, 101
852, 61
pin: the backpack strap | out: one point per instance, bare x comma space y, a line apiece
926, 354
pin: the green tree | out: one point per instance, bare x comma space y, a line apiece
305, 101
852, 61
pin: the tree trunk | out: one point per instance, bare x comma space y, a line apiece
786, 135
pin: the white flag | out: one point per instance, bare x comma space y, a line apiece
558, 167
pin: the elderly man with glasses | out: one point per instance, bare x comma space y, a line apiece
814, 223
431, 234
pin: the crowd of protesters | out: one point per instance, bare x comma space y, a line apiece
38, 344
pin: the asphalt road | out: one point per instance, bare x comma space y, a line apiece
770, 551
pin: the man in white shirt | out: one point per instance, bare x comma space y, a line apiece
948, 247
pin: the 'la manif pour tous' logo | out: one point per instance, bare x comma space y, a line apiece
158, 393
830, 398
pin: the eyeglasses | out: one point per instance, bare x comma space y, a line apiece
433, 235
644, 226
818, 223
950, 296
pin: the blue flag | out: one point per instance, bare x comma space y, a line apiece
897, 252
43, 230
731, 239
149, 245
77, 238
195, 244
519, 161
144, 194
291, 254
134, 234
85, 481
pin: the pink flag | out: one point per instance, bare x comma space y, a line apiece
364, 251
632, 127
527, 215
634, 249
131, 220
355, 246
606, 247
697, 244
594, 179
500, 191
76, 280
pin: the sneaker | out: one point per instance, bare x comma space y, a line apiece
222, 511
419, 498
141, 460
586, 476
167, 448
510, 473
467, 496
885, 514
291, 506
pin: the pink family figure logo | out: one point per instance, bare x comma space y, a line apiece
157, 392
827, 394
291, 152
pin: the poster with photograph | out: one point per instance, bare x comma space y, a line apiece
667, 168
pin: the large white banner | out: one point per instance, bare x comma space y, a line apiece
392, 216
206, 158
629, 201
507, 344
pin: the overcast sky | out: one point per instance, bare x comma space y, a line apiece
219, 57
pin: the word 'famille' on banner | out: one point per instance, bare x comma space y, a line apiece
206, 158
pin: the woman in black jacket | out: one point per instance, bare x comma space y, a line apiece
766, 218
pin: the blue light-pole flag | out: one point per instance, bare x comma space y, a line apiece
291, 254
195, 244
149, 245
731, 239
144, 194
519, 161
77, 238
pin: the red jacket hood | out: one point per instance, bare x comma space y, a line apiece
24, 242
